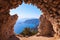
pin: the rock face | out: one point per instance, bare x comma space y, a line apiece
51, 15
6, 20
45, 28
6, 25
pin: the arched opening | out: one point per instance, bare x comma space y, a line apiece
50, 9
28, 17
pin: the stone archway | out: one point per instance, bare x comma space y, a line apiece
50, 9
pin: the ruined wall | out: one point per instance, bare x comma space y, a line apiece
50, 9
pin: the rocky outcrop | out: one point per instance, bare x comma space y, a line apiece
51, 15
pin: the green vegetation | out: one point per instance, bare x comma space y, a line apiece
28, 32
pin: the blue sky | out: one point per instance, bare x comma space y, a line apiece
26, 11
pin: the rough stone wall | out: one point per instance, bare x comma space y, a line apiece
6, 20
50, 9
6, 25
6, 5
45, 28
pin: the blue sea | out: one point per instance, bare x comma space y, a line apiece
20, 25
